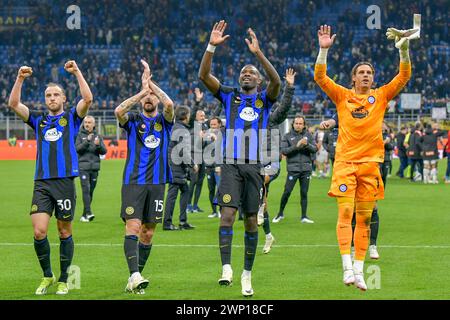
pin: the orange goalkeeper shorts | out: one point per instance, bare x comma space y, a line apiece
359, 180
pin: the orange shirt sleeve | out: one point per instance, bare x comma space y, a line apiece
394, 87
334, 91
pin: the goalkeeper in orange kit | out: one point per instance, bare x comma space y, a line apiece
356, 181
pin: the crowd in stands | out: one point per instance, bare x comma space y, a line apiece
173, 34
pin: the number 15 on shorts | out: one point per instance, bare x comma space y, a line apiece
159, 205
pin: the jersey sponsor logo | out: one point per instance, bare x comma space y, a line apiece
158, 127
34, 208
343, 187
52, 135
248, 114
129, 211
371, 99
62, 122
226, 198
152, 142
360, 113
259, 103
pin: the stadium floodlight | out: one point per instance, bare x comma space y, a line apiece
401, 36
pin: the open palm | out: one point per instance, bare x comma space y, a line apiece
217, 36
325, 38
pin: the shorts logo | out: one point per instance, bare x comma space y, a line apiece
343, 188
129, 211
360, 113
83, 177
34, 208
291, 177
261, 193
226, 198
259, 103
62, 122
371, 99
158, 127
209, 177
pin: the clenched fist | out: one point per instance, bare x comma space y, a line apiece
25, 72
71, 66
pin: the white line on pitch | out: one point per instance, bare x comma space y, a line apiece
18, 244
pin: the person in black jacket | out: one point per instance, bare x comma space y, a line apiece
180, 163
429, 142
388, 147
272, 168
415, 152
199, 126
298, 146
90, 147
400, 138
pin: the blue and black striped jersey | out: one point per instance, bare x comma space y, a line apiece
247, 121
55, 139
148, 142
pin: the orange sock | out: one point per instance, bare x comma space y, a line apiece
344, 224
362, 229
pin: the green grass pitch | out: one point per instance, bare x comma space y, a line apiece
414, 245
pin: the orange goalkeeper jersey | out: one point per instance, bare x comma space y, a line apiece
361, 116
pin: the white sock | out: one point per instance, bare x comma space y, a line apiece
426, 175
358, 266
247, 273
269, 235
226, 267
434, 175
346, 262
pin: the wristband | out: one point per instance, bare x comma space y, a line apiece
211, 48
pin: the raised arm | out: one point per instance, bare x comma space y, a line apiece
274, 85
332, 89
280, 113
121, 112
197, 105
394, 87
14, 102
168, 112
204, 74
86, 94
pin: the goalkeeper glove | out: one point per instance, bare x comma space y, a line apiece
402, 37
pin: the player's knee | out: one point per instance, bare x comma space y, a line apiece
227, 216
250, 223
146, 235
133, 227
39, 233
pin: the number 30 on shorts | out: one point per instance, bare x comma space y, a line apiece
64, 204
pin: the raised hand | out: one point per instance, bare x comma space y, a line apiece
290, 76
198, 94
147, 71
253, 45
217, 36
326, 40
146, 75
25, 72
71, 66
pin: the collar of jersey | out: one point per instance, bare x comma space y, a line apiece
59, 115
147, 118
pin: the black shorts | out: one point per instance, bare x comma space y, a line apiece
143, 201
241, 185
57, 195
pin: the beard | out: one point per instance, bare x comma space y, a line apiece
148, 107
248, 86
